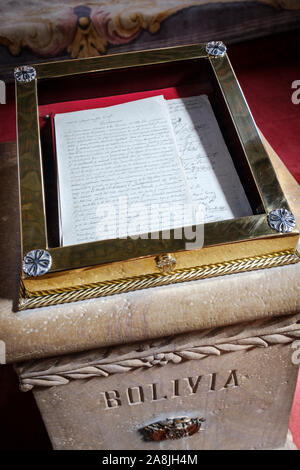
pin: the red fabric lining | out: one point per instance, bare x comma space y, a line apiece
103, 102
267, 90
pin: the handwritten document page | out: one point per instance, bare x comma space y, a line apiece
121, 153
139, 154
208, 166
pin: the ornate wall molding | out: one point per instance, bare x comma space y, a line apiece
86, 29
194, 346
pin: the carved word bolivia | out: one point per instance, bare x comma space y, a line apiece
153, 392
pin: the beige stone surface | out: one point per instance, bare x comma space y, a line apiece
289, 443
102, 362
245, 397
134, 316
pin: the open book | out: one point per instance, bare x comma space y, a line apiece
143, 166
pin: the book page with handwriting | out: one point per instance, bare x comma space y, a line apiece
209, 169
112, 164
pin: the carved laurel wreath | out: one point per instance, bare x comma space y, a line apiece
212, 342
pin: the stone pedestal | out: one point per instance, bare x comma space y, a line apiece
238, 380
216, 350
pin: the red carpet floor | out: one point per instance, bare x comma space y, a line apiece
266, 69
267, 85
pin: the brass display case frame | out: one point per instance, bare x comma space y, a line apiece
114, 266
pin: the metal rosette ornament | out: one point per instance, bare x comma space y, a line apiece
282, 220
37, 263
25, 73
216, 48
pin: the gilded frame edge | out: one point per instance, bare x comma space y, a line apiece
92, 254
58, 295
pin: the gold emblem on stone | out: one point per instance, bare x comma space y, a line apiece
173, 428
166, 263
